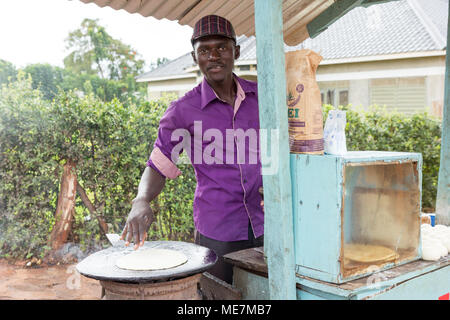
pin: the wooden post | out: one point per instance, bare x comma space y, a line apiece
278, 225
443, 191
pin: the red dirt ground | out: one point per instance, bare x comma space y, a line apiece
58, 282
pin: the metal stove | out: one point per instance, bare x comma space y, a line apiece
180, 282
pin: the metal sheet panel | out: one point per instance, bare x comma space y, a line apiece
296, 13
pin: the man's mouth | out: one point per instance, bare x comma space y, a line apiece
215, 67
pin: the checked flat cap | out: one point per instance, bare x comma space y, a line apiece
213, 25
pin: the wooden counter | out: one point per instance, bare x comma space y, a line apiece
415, 280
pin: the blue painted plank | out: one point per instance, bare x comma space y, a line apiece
433, 276
416, 280
278, 226
317, 222
443, 192
429, 286
252, 286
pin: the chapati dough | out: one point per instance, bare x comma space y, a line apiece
151, 259
366, 253
431, 253
435, 242
440, 227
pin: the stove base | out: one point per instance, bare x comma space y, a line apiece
179, 289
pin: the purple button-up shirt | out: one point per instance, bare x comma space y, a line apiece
222, 143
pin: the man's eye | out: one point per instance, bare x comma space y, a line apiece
222, 48
203, 51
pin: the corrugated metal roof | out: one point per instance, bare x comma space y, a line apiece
296, 13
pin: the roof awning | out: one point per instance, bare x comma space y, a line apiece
296, 13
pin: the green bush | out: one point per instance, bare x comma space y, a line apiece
377, 129
108, 141
28, 175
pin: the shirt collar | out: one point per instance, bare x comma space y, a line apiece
208, 94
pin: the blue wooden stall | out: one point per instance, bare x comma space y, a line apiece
313, 225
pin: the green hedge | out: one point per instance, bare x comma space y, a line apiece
110, 144
377, 129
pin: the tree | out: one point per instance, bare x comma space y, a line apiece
95, 52
7, 71
159, 62
46, 78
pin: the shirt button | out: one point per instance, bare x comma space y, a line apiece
245, 180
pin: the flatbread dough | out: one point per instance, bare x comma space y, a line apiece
366, 253
151, 259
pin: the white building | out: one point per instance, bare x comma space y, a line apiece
390, 54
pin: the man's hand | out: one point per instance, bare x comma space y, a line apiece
138, 222
141, 215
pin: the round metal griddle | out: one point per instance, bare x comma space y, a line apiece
102, 264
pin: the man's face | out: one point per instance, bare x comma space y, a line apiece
215, 57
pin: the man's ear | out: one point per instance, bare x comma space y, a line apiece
237, 52
193, 56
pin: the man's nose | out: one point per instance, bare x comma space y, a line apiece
214, 54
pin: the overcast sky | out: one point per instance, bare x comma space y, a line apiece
33, 31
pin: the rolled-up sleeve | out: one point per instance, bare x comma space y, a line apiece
160, 157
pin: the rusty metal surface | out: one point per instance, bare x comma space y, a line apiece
101, 265
180, 289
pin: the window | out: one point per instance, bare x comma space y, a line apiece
335, 97
334, 93
330, 97
407, 95
343, 97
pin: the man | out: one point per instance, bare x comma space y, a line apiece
217, 117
